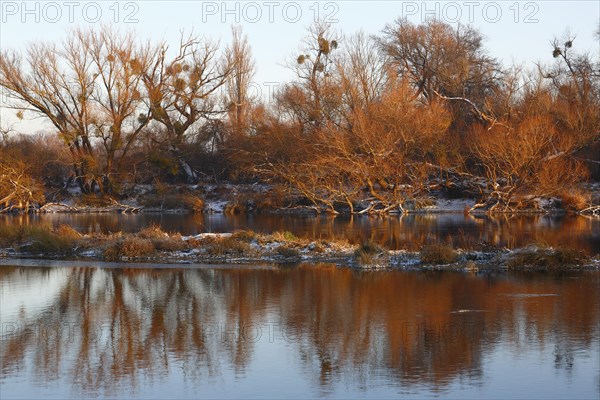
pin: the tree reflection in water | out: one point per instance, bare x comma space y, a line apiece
395, 232
104, 329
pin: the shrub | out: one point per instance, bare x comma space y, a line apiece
235, 207
152, 231
161, 240
18, 190
287, 251
43, 240
245, 236
192, 203
574, 201
67, 231
273, 199
368, 253
545, 258
438, 254
170, 243
131, 247
9, 234
136, 247
173, 201
228, 246
93, 200
112, 252
284, 236
39, 239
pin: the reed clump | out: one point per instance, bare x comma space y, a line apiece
369, 253
438, 254
546, 259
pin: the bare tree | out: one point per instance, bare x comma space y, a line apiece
18, 190
118, 116
182, 90
238, 83
375, 163
57, 83
575, 81
314, 97
443, 62
5, 132
88, 88
363, 71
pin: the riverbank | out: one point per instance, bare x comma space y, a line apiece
227, 198
152, 245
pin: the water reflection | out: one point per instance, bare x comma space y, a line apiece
306, 331
395, 232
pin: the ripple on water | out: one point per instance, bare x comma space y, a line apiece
529, 295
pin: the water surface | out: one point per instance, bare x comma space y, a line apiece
302, 331
395, 232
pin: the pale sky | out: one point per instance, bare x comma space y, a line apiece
515, 31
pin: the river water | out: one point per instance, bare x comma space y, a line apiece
395, 232
81, 330
73, 330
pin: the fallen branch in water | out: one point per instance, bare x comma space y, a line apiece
46, 206
593, 211
115, 207
124, 208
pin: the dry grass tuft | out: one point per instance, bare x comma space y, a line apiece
228, 246
39, 239
136, 247
284, 236
44, 241
574, 201
112, 252
247, 236
152, 231
288, 251
438, 253
369, 253
161, 240
546, 259
170, 243
67, 231
130, 247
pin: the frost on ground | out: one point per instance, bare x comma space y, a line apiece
547, 203
226, 198
215, 206
206, 235
154, 245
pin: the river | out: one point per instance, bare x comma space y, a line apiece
394, 232
76, 331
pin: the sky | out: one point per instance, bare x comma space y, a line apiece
516, 32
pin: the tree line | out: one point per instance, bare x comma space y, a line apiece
367, 124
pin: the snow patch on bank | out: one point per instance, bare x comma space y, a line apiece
215, 206
547, 203
206, 235
451, 205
